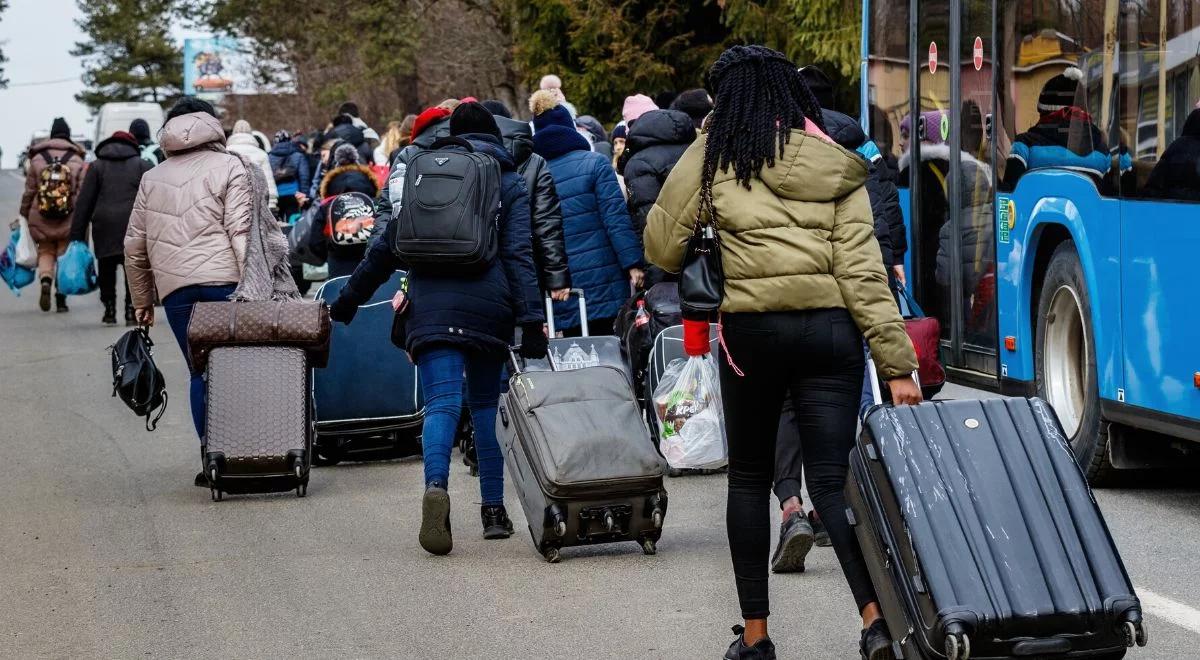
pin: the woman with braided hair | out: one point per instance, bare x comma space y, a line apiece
803, 285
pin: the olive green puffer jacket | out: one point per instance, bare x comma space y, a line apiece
802, 237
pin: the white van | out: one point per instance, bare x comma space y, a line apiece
114, 117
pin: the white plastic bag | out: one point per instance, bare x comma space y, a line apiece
26, 252
687, 404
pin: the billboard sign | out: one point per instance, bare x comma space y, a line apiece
215, 66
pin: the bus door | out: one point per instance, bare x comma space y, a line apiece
953, 251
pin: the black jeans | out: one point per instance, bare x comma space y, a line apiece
817, 356
106, 277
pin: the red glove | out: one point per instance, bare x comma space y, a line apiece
695, 338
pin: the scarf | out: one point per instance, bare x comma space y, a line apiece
266, 272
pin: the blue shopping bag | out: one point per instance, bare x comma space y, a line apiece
15, 275
76, 270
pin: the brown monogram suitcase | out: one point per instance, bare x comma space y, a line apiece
258, 419
297, 323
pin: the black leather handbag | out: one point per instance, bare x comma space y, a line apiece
136, 379
702, 275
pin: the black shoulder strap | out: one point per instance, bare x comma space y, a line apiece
452, 140
48, 158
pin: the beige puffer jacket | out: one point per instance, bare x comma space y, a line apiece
191, 216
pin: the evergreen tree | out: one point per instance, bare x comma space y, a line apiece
129, 55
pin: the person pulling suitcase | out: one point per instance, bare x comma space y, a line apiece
468, 290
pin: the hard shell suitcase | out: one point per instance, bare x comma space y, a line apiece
367, 400
579, 455
258, 420
982, 537
567, 353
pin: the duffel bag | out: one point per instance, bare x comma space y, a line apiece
925, 332
297, 323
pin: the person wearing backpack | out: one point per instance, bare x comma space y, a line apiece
463, 310
289, 168
151, 152
104, 205
344, 247
52, 182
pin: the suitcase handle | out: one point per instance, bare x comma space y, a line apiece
876, 392
583, 322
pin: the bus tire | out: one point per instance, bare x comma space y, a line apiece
1065, 361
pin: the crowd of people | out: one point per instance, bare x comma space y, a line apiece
805, 207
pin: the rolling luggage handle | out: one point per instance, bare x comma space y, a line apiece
876, 392
583, 322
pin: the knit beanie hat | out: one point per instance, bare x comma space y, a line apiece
427, 118
124, 137
820, 84
345, 154
241, 126
140, 130
59, 129
498, 108
282, 136
1059, 91
636, 106
473, 118
556, 116
619, 132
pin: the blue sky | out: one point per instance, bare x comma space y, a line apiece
38, 36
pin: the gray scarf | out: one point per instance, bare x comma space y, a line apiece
266, 273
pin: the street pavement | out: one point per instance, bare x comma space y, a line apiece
108, 551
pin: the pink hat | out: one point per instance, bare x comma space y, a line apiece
636, 106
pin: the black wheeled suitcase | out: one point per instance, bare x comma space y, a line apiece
580, 457
982, 537
258, 420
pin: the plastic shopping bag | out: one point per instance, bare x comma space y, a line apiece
76, 270
687, 404
26, 254
14, 275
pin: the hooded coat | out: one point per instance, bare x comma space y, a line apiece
800, 238
1177, 173
549, 249
475, 313
600, 239
656, 142
288, 154
191, 216
343, 179
244, 144
355, 136
50, 229
106, 196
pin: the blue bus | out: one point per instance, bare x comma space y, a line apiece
1048, 154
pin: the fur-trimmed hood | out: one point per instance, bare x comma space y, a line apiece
355, 177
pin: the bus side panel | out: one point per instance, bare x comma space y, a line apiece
1042, 199
905, 199
1161, 315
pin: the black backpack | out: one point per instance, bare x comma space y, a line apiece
136, 379
447, 218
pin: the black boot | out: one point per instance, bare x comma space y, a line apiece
876, 643
496, 523
110, 313
130, 317
44, 300
60, 303
435, 535
763, 649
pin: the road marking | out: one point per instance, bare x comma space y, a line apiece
1169, 610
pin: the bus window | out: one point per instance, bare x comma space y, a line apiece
1052, 92
888, 92
1160, 98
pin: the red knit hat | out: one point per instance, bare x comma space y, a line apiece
428, 117
126, 136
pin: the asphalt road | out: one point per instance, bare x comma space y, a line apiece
108, 551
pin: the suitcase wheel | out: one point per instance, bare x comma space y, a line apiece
302, 490
552, 555
958, 646
217, 496
1135, 634
657, 519
649, 547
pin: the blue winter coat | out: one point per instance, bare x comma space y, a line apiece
288, 153
475, 313
601, 243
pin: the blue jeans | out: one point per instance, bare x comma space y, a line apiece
178, 307
441, 371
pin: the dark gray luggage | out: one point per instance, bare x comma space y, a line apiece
580, 457
258, 420
982, 537
567, 353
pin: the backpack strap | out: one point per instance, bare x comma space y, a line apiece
47, 157
452, 140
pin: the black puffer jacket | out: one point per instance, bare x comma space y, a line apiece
652, 148
1177, 174
549, 250
106, 196
354, 135
885, 202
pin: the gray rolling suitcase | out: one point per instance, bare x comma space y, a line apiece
982, 537
258, 420
580, 456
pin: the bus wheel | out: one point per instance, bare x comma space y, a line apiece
1066, 361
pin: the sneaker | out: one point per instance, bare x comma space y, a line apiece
496, 523
60, 303
763, 649
819, 531
435, 535
795, 540
876, 643
44, 300
110, 314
